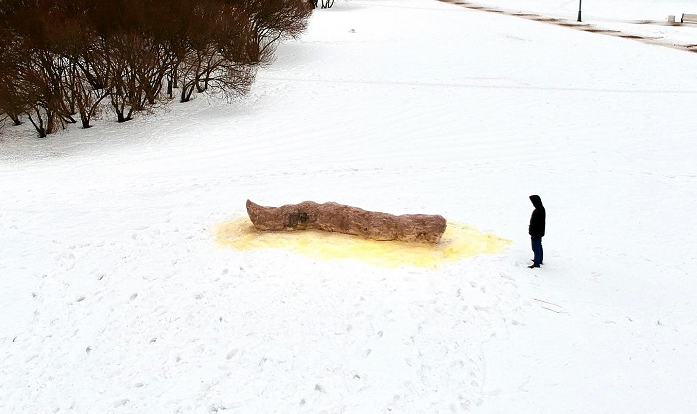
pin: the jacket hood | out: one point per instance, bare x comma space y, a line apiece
536, 201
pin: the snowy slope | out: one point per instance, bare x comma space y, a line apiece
115, 297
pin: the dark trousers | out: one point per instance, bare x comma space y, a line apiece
537, 249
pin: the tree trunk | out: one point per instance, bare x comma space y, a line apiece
187, 91
170, 92
84, 117
40, 126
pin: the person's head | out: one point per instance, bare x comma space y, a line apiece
536, 201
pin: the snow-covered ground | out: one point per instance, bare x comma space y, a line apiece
617, 10
647, 18
116, 298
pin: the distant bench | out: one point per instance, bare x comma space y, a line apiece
688, 18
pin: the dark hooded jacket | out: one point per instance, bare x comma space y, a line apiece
537, 220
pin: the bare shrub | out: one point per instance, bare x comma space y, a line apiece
61, 59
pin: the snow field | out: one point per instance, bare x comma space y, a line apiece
647, 18
116, 298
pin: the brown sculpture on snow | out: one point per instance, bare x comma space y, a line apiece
340, 218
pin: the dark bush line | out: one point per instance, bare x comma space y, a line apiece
326, 4
62, 60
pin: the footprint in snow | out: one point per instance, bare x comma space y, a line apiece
121, 402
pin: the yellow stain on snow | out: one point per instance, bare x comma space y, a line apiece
459, 241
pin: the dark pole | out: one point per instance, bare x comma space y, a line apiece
579, 10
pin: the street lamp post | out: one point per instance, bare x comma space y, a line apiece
579, 10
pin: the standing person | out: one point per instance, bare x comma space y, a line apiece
537, 229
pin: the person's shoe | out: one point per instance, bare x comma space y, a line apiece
531, 266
